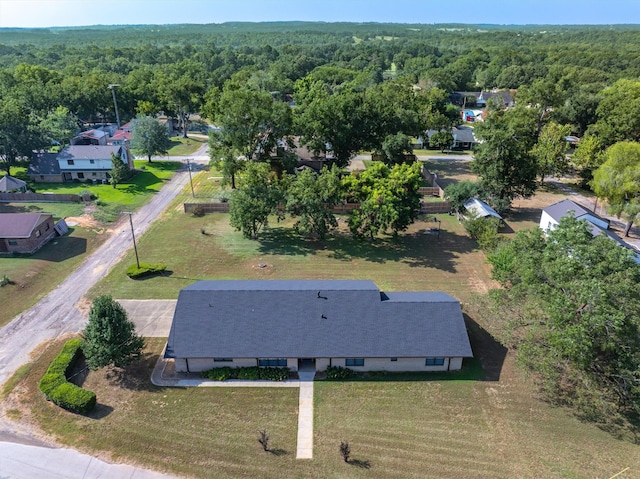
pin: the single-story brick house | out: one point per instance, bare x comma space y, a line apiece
25, 232
348, 323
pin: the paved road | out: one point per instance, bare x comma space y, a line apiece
58, 313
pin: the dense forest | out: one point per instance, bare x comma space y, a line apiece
349, 81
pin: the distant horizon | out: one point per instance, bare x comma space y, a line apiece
30, 14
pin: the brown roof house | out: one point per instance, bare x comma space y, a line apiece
25, 232
319, 323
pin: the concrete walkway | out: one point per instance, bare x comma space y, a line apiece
305, 415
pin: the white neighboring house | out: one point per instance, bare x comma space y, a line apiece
90, 162
479, 209
551, 216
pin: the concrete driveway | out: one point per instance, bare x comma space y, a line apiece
152, 317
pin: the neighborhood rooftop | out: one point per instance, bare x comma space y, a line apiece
19, 225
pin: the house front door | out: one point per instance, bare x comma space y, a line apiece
306, 364
66, 176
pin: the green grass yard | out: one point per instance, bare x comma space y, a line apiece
397, 429
186, 146
34, 276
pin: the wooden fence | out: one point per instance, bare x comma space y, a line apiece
39, 197
342, 208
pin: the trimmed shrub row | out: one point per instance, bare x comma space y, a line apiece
338, 372
249, 373
145, 269
56, 388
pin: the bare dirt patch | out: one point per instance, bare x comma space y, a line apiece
86, 220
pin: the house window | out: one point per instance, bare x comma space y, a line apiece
280, 362
69, 162
394, 359
434, 362
13, 243
42, 177
93, 174
92, 161
222, 360
81, 176
46, 226
354, 362
38, 234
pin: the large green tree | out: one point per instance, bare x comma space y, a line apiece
618, 181
251, 121
388, 198
110, 337
20, 133
149, 137
310, 197
60, 126
550, 151
255, 200
503, 160
617, 113
225, 159
569, 305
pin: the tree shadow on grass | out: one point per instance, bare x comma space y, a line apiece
360, 463
278, 452
134, 376
422, 248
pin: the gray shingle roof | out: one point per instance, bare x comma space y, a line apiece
562, 208
88, 152
9, 183
44, 164
314, 319
18, 225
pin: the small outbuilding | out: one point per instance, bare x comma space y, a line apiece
347, 323
10, 184
479, 209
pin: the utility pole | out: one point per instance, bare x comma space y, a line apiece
112, 87
193, 195
133, 236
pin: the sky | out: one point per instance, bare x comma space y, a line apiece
48, 13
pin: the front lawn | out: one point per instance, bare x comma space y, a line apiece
186, 146
34, 276
396, 429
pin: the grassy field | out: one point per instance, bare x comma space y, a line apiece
494, 427
34, 276
396, 429
186, 146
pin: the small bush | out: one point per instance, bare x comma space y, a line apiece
218, 374
250, 373
274, 374
145, 269
5, 280
198, 211
484, 231
337, 372
56, 388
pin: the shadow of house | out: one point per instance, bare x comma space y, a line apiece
487, 349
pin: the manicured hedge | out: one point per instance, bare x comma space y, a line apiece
56, 388
249, 373
337, 372
145, 269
